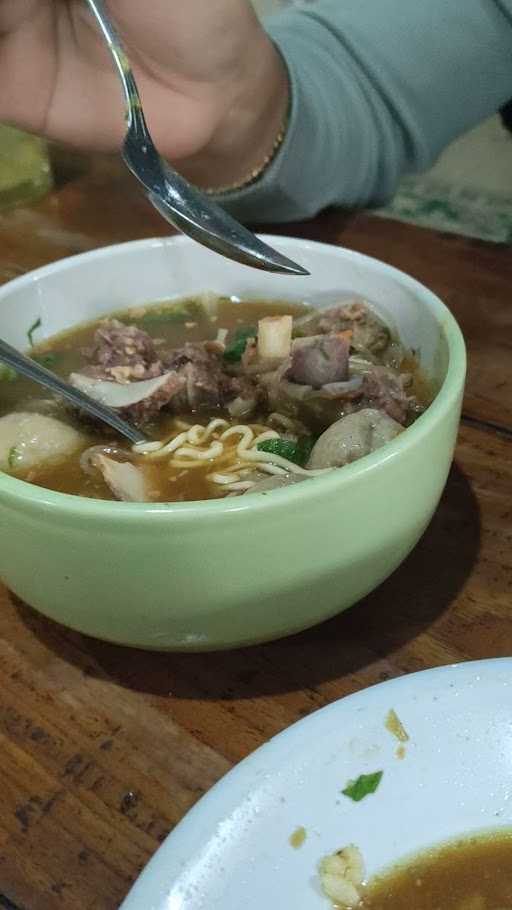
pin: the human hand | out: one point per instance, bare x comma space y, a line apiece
214, 88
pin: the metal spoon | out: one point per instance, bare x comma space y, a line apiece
42, 376
178, 201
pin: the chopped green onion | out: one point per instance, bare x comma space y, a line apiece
236, 348
30, 334
298, 452
363, 786
7, 374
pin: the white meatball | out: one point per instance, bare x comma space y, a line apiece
353, 436
30, 440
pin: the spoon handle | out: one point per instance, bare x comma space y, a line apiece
42, 376
115, 45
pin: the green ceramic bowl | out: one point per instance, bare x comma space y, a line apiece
218, 574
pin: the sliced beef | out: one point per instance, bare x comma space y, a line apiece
165, 397
369, 334
197, 376
245, 396
206, 383
138, 401
319, 360
316, 408
385, 390
123, 353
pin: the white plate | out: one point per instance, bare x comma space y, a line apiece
232, 850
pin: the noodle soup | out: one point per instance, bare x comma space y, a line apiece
233, 397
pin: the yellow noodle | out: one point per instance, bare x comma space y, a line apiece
214, 450
232, 451
197, 435
241, 487
148, 448
223, 478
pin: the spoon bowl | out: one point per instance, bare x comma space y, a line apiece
180, 203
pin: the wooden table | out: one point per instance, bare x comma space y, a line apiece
103, 749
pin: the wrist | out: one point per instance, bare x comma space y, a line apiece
250, 123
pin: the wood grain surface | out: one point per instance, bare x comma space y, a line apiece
103, 749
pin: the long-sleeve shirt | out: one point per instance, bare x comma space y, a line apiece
378, 89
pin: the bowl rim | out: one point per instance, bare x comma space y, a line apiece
14, 490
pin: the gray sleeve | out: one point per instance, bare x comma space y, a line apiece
379, 88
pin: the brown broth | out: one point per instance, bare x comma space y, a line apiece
471, 874
174, 323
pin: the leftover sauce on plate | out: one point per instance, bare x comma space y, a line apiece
473, 873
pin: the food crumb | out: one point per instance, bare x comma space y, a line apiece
395, 726
342, 876
190, 325
400, 752
298, 837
